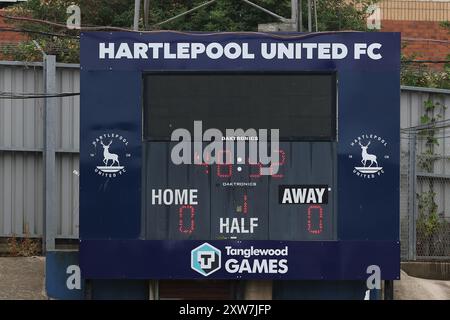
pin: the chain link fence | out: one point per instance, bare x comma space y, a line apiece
425, 182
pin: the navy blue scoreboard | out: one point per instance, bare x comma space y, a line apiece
239, 155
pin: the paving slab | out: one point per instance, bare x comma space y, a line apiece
411, 288
22, 278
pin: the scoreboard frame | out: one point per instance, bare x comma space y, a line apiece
112, 245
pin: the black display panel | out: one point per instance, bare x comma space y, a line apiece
235, 201
302, 106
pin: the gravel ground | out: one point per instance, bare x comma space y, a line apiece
411, 288
22, 278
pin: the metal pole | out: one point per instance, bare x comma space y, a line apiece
186, 12
282, 19
315, 15
49, 153
137, 9
309, 16
294, 13
388, 290
412, 197
146, 12
300, 16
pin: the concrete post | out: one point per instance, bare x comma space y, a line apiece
50, 124
300, 16
294, 13
412, 207
146, 12
309, 16
137, 10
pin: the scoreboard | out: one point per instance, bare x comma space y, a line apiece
236, 201
239, 155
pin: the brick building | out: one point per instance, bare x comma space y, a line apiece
419, 19
8, 38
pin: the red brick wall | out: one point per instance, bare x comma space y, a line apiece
8, 37
425, 50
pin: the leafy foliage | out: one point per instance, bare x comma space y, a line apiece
420, 75
341, 15
224, 15
429, 221
25, 246
433, 113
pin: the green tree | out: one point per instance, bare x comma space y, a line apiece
235, 15
336, 15
224, 15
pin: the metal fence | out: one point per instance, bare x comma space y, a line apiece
21, 151
425, 174
425, 161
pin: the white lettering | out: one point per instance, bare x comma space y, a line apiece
155, 47
310, 50
370, 51
232, 50
183, 51
339, 51
174, 197
271, 266
106, 50
197, 48
268, 53
167, 53
214, 50
238, 225
124, 52
140, 50
360, 49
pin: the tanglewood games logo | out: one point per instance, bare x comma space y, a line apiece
372, 153
205, 259
111, 155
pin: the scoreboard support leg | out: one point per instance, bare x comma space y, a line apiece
88, 290
388, 290
153, 290
258, 290
122, 289
319, 290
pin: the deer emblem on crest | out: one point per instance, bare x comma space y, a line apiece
107, 156
367, 156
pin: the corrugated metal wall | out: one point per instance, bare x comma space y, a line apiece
21, 144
